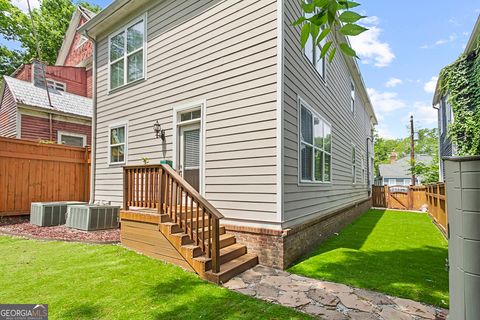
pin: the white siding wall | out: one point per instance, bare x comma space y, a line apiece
331, 99
221, 51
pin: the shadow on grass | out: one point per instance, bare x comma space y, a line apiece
189, 298
83, 311
418, 273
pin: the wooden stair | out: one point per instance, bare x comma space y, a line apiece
189, 224
234, 258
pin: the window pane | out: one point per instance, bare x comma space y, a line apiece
327, 171
117, 46
117, 154
319, 62
196, 114
353, 155
309, 50
72, 140
135, 66
318, 165
116, 74
118, 135
135, 37
186, 116
318, 132
328, 138
306, 125
307, 155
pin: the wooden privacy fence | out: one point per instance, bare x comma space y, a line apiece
399, 197
32, 172
437, 207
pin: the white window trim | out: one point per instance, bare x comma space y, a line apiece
125, 54
81, 41
302, 182
195, 105
55, 83
65, 133
114, 126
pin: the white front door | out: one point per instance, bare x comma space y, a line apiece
189, 154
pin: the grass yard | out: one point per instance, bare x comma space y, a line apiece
81, 281
397, 253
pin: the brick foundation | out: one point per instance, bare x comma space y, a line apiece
281, 248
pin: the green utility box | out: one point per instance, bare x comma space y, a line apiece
463, 207
47, 214
167, 162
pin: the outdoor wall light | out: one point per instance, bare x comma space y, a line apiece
159, 132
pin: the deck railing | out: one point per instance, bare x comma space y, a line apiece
437, 207
162, 188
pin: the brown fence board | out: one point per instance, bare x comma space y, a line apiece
32, 172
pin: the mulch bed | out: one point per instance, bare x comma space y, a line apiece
20, 226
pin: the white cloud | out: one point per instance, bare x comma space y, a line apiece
369, 47
393, 82
454, 22
22, 4
385, 102
424, 114
384, 132
451, 38
431, 85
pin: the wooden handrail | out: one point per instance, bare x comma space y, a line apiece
161, 187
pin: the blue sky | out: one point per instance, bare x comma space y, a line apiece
408, 43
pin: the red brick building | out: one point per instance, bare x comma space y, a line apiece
63, 113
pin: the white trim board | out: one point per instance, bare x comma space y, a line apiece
202, 105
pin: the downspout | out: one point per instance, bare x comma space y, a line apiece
50, 126
93, 159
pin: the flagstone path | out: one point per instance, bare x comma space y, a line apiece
327, 300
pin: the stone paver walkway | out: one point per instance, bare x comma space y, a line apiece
327, 300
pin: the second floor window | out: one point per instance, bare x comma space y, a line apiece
352, 96
126, 54
55, 85
313, 51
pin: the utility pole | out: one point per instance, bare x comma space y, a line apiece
412, 149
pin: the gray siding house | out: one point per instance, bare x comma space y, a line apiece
277, 140
445, 110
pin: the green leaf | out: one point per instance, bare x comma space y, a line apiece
325, 49
348, 4
305, 34
351, 29
350, 17
348, 50
323, 35
314, 31
332, 55
320, 3
308, 7
320, 18
299, 21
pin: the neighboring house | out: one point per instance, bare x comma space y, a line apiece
397, 172
25, 110
445, 111
26, 113
277, 140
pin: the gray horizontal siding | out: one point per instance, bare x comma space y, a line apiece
331, 99
221, 51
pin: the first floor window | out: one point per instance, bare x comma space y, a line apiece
117, 144
127, 51
354, 164
315, 147
72, 139
364, 176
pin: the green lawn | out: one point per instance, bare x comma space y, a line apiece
398, 253
81, 281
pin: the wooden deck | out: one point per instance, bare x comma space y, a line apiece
167, 219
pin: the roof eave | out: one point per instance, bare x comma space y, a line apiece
472, 42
